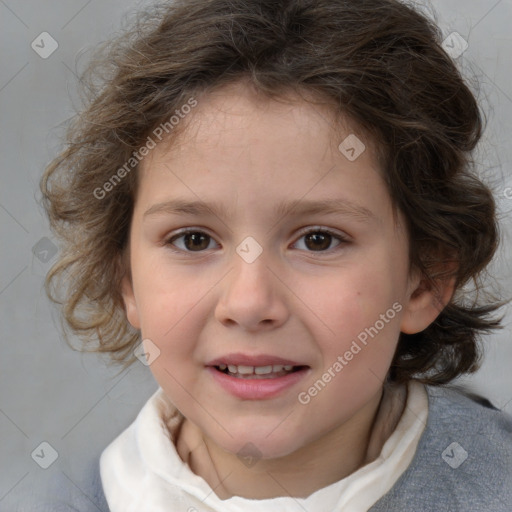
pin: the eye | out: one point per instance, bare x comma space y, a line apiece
320, 240
192, 240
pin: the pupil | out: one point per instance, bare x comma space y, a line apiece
197, 240
322, 238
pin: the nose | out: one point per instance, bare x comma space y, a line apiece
252, 297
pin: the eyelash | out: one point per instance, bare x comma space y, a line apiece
169, 241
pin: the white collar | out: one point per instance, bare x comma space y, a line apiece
141, 469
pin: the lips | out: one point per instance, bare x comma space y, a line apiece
263, 368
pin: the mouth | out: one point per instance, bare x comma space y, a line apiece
258, 377
271, 371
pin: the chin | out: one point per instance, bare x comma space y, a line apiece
259, 444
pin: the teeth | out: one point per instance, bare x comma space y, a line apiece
258, 370
245, 370
262, 370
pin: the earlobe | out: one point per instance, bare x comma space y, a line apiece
425, 304
130, 304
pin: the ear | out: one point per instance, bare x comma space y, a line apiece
425, 302
130, 305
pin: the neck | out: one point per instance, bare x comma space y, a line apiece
330, 458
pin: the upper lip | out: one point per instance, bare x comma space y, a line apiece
247, 360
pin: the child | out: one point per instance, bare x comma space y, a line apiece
229, 139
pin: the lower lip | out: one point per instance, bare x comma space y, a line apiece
257, 389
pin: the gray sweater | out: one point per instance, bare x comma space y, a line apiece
463, 463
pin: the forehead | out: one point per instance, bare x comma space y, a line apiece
240, 145
223, 115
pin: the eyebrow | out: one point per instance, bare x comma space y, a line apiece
283, 209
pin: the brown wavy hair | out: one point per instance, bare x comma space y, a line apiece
379, 62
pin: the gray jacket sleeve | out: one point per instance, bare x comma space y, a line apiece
463, 462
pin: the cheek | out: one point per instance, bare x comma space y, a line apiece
355, 304
168, 320
165, 295
165, 313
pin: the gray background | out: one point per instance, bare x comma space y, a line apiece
74, 401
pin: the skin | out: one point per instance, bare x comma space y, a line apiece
250, 153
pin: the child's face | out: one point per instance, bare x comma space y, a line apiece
303, 301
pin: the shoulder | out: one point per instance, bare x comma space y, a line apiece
463, 460
469, 415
